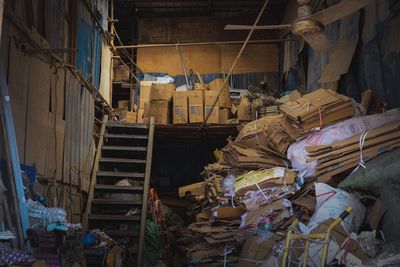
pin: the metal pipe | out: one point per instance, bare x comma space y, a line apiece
205, 43
182, 63
234, 63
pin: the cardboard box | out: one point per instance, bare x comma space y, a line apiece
200, 86
243, 110
196, 106
224, 100
121, 73
217, 116
123, 104
128, 116
145, 88
162, 92
223, 115
229, 213
196, 189
180, 107
209, 99
213, 119
160, 110
140, 114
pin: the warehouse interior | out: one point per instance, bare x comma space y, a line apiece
199, 133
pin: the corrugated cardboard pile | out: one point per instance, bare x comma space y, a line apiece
344, 155
243, 209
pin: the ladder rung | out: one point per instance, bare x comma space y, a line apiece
108, 217
126, 148
121, 174
127, 136
125, 125
106, 187
122, 160
116, 202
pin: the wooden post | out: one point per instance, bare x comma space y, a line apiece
13, 164
234, 63
112, 49
93, 179
1, 16
146, 184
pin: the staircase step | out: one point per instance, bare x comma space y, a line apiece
125, 125
106, 187
108, 217
127, 136
116, 202
121, 233
121, 174
122, 160
125, 148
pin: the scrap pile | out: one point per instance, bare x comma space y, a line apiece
228, 210
263, 177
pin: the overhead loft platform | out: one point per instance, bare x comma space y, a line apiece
189, 136
186, 135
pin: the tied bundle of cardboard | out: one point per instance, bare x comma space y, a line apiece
354, 151
315, 110
240, 157
267, 131
256, 180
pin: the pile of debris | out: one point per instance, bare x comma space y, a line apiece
251, 199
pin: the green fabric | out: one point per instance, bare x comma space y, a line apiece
380, 171
152, 241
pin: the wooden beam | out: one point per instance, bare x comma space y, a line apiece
93, 179
146, 185
13, 163
205, 43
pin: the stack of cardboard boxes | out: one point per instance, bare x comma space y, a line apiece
159, 103
188, 106
193, 106
180, 107
221, 111
144, 98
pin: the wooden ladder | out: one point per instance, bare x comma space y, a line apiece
120, 185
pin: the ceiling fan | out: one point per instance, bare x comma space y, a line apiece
311, 26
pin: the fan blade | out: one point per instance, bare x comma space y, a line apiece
338, 11
318, 41
261, 27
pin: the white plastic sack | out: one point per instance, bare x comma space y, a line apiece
123, 196
297, 153
331, 202
164, 80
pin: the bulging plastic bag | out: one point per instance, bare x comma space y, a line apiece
331, 202
48, 215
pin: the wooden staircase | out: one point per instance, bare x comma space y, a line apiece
118, 193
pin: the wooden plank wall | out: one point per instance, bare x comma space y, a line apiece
207, 59
53, 114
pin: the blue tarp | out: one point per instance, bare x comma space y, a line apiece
83, 39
